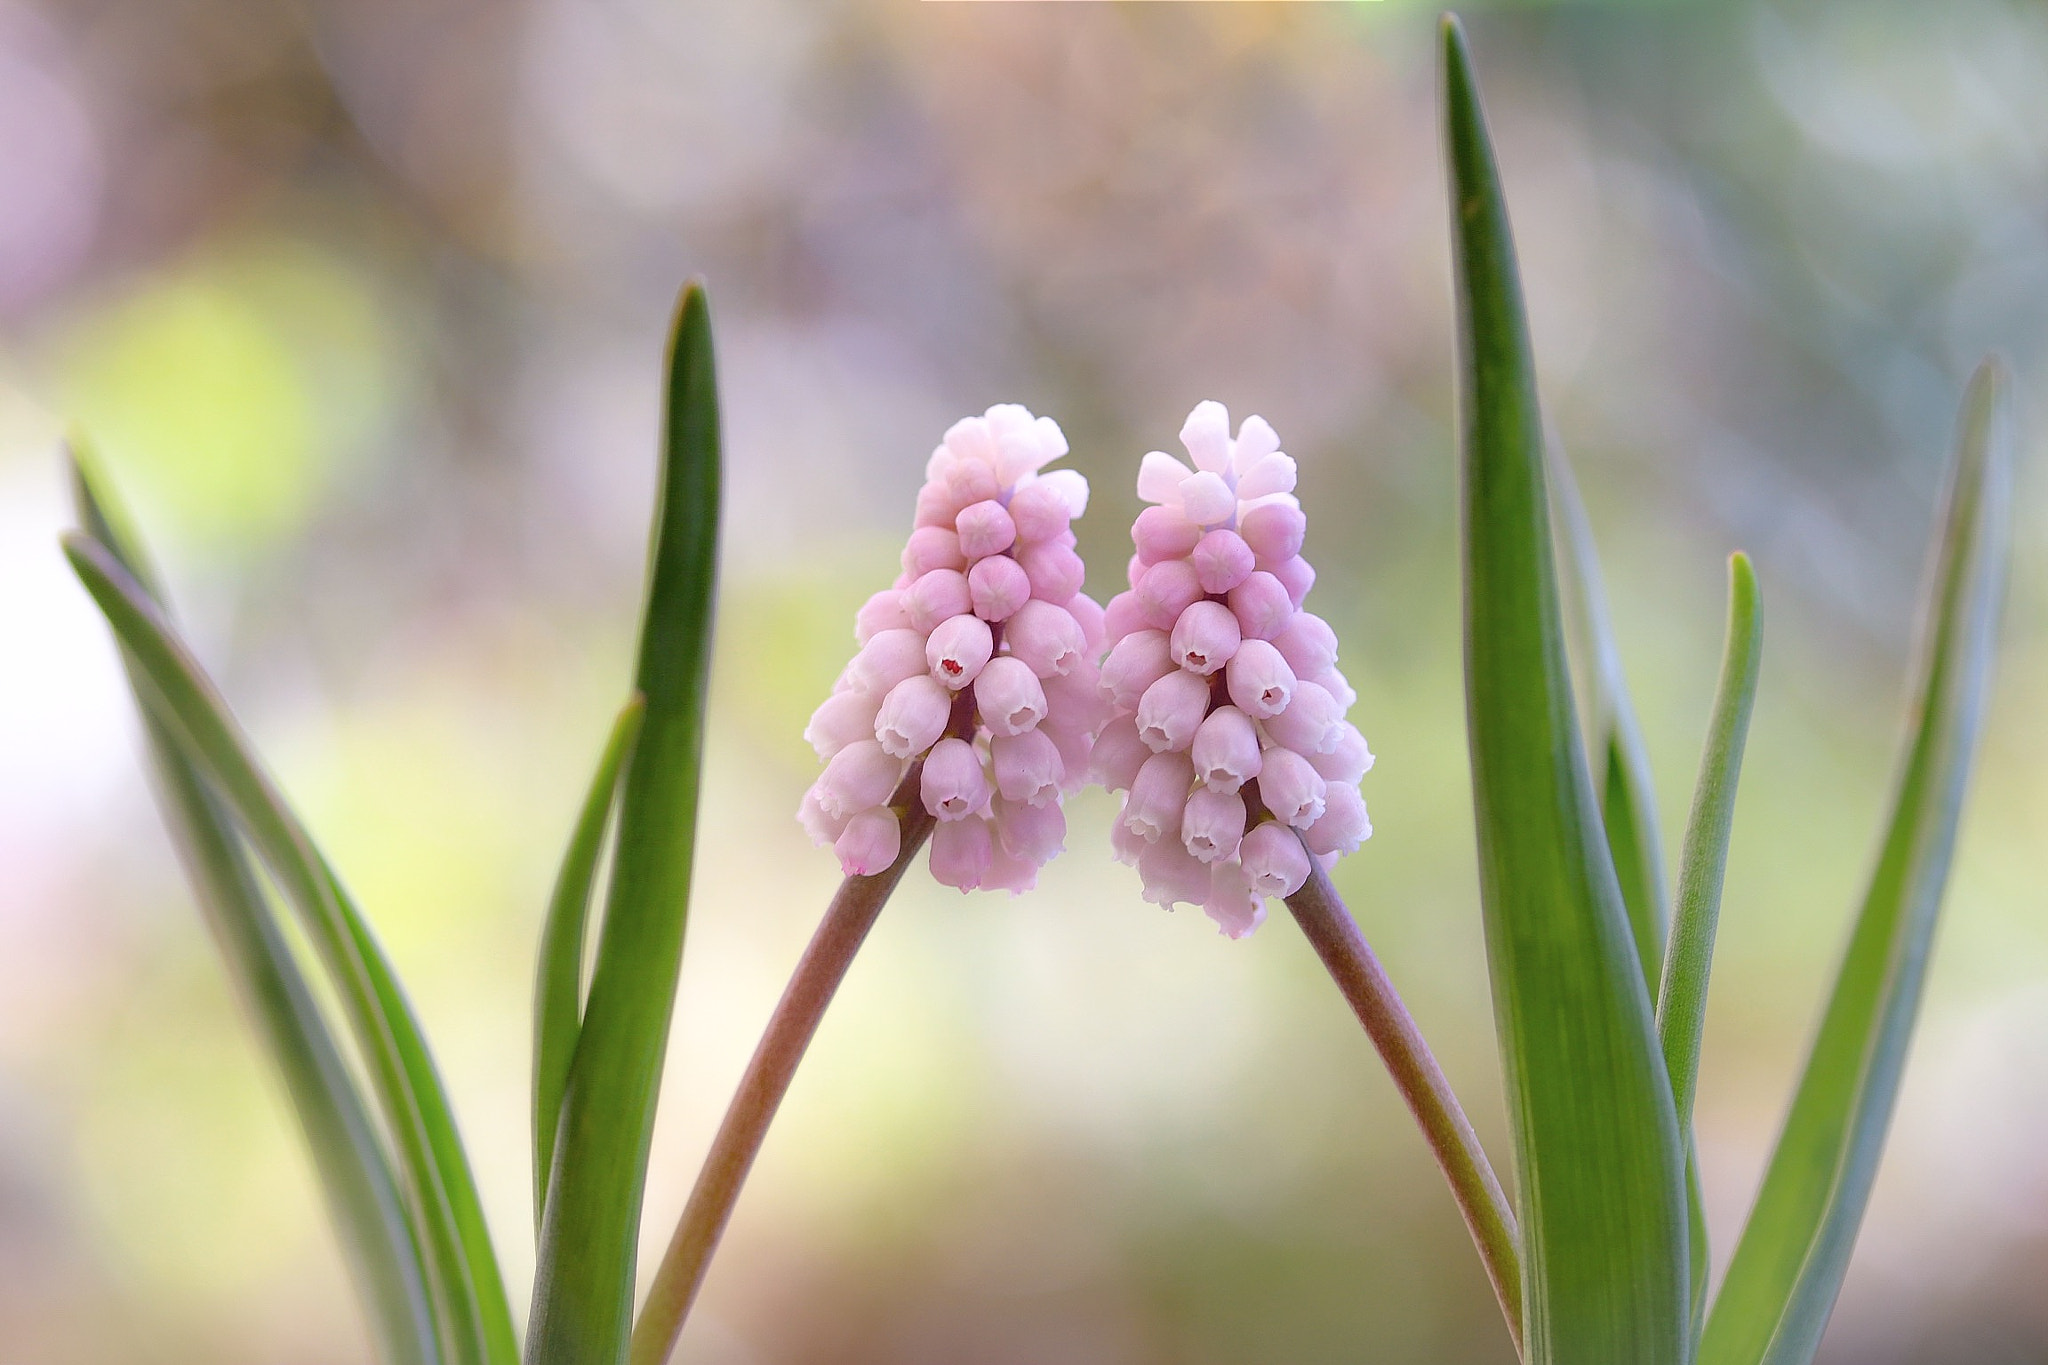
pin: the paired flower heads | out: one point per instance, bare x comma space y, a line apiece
1218, 713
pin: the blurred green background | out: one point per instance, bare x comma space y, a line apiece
365, 301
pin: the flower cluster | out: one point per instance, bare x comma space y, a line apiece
979, 661
1229, 738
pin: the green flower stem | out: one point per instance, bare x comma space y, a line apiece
1350, 960
823, 966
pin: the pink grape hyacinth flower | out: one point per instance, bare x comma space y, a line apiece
1228, 737
979, 663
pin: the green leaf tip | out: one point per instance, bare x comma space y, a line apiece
583, 1283
1788, 1267
1600, 1164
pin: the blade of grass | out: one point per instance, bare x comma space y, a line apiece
1599, 1162
473, 1321
370, 1217
1682, 1003
1788, 1267
583, 1285
1628, 799
558, 994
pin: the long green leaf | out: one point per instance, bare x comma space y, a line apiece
1682, 1002
1788, 1267
558, 992
1599, 1162
472, 1318
1628, 799
583, 1285
370, 1217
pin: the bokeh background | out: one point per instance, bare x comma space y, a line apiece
365, 301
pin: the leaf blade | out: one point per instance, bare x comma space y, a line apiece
583, 1286
1788, 1266
1599, 1162
558, 1004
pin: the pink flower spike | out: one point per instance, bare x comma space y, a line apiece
1158, 795
843, 718
1231, 903
1164, 533
912, 716
1274, 530
961, 853
1121, 615
1168, 589
1159, 478
1088, 614
1031, 833
1213, 824
1344, 824
1308, 644
870, 842
1291, 789
936, 596
1259, 680
1206, 434
1136, 662
1056, 572
1261, 606
1270, 475
958, 650
860, 775
1119, 753
953, 786
932, 547
1028, 767
1009, 696
1226, 750
1039, 511
1222, 560
985, 529
1045, 637
1274, 859
1297, 575
1204, 638
1170, 874
1207, 499
1172, 709
883, 611
886, 659
1313, 723
1349, 761
997, 586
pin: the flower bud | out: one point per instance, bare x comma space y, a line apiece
1033, 833
958, 650
1311, 724
883, 611
1266, 476
1045, 637
1119, 753
1158, 795
961, 853
985, 529
912, 716
932, 547
1172, 709
820, 824
997, 586
1162, 533
1291, 789
1273, 859
1348, 761
1297, 575
843, 718
953, 785
886, 659
1212, 824
1009, 696
1134, 664
1206, 434
1226, 750
1231, 903
1308, 644
936, 596
971, 481
1222, 561
1121, 615
1056, 572
869, 843
1261, 606
1204, 638
1039, 511
1343, 826
1207, 499
1167, 589
1170, 874
1088, 614
1274, 530
1028, 767
859, 776
1259, 680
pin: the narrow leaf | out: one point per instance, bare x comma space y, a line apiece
1628, 800
1788, 1267
370, 1217
558, 994
583, 1285
474, 1323
1599, 1161
1682, 1004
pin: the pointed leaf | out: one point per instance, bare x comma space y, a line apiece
1599, 1162
583, 1285
463, 1283
1788, 1267
370, 1217
558, 994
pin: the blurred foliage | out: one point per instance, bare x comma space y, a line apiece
366, 302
